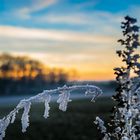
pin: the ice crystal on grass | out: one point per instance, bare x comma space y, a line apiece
89, 92
125, 119
13, 117
63, 100
3, 126
25, 116
44, 97
47, 107
100, 124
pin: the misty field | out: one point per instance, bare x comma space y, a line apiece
76, 123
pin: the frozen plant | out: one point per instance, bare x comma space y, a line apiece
125, 119
45, 97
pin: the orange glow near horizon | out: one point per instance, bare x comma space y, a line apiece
88, 74
95, 72
80, 70
97, 76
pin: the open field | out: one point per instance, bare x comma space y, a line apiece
75, 124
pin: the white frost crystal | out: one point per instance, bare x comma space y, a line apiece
91, 93
13, 117
102, 128
47, 107
25, 117
63, 100
3, 126
125, 138
45, 97
100, 124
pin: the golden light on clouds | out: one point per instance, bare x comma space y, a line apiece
83, 55
55, 35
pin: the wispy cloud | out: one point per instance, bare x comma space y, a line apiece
74, 19
36, 5
89, 18
97, 22
87, 3
55, 35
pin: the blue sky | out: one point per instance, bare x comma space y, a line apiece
24, 12
73, 34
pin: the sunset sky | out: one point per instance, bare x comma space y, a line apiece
72, 34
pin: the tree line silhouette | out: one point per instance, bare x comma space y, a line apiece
23, 75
